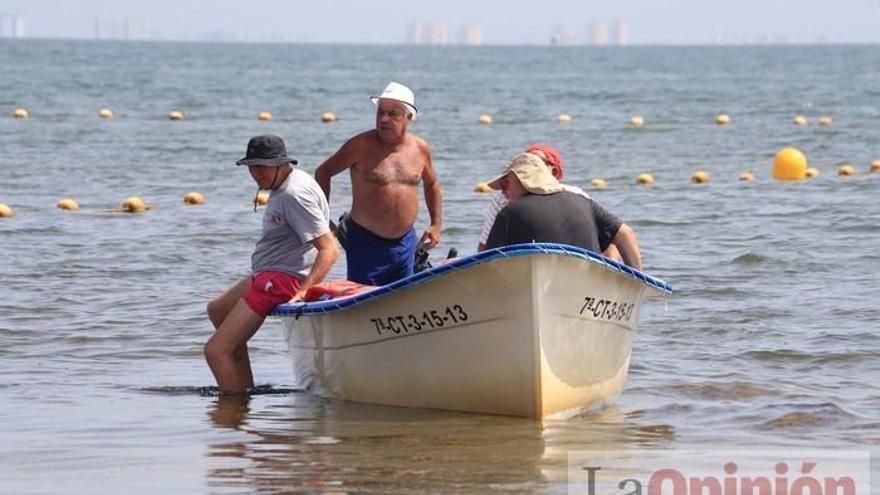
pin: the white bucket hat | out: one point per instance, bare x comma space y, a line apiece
398, 92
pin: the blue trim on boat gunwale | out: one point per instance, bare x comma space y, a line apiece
318, 307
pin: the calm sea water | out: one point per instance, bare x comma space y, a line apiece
770, 341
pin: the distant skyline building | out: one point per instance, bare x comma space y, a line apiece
138, 28
561, 35
597, 34
415, 32
420, 32
439, 34
12, 26
472, 35
621, 34
128, 28
109, 28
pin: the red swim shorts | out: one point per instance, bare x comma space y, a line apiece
269, 289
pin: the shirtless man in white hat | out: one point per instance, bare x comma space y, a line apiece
386, 165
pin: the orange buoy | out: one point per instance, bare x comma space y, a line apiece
645, 179
789, 164
700, 177
68, 204
134, 204
193, 198
846, 170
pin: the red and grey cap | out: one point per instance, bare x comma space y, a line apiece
551, 156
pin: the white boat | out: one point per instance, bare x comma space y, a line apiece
528, 330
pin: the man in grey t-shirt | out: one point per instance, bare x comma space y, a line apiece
295, 252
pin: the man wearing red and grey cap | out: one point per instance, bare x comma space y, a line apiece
553, 160
541, 210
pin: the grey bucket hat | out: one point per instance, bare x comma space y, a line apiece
267, 151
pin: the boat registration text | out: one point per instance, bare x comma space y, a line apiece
429, 319
606, 309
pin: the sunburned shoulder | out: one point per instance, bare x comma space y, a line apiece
364, 138
421, 142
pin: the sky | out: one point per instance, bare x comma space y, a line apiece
503, 21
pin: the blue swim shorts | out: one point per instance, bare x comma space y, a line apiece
374, 260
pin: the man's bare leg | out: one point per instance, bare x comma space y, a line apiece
220, 307
226, 351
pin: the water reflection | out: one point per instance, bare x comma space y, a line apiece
304, 442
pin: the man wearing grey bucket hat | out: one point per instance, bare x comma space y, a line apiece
541, 210
386, 165
295, 252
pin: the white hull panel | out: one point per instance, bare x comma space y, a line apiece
529, 335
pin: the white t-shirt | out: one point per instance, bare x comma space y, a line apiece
499, 201
296, 213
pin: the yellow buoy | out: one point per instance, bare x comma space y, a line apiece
825, 120
812, 172
485, 119
20, 113
68, 204
265, 116
637, 121
700, 177
875, 166
328, 117
563, 118
789, 164
134, 204
646, 179
5, 211
175, 115
193, 198
262, 198
598, 183
482, 187
846, 169
722, 119
746, 176
800, 120
106, 113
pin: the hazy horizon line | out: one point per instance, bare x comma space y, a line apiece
447, 45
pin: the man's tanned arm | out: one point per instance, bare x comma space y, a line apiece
328, 252
338, 162
628, 245
433, 199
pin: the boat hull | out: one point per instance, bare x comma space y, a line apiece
531, 335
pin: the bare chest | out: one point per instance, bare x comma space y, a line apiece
399, 168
